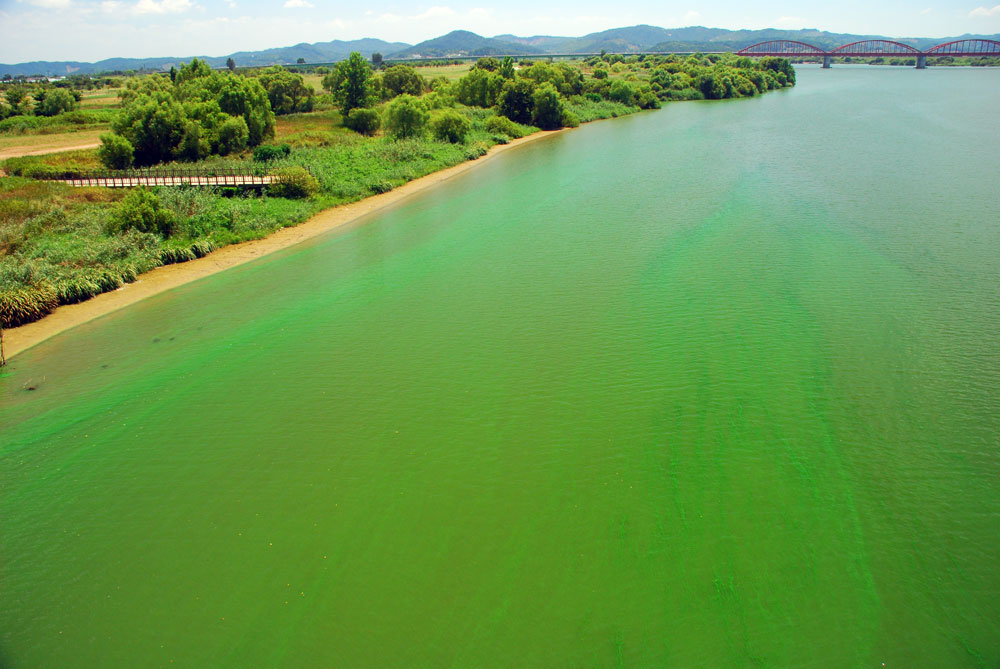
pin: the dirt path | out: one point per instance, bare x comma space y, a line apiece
39, 145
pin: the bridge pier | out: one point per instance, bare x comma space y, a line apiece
921, 62
827, 62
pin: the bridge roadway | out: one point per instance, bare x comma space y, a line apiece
874, 48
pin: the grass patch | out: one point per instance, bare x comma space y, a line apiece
592, 110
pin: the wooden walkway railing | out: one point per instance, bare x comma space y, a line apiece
248, 177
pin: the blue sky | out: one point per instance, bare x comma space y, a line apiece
90, 30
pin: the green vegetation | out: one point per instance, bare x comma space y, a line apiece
372, 132
287, 91
406, 116
351, 84
200, 113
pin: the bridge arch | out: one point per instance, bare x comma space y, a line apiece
781, 47
876, 47
966, 47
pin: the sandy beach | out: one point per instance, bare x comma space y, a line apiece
164, 278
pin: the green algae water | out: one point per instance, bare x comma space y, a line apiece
710, 386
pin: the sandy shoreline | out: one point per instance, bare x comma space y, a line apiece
164, 278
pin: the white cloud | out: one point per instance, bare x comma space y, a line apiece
51, 4
692, 15
298, 4
161, 7
983, 11
434, 13
925, 11
790, 22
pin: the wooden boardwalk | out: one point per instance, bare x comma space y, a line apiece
131, 181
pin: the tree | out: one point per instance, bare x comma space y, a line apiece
17, 94
231, 64
246, 97
205, 112
154, 125
548, 109
286, 90
351, 84
479, 88
400, 79
489, 63
507, 68
778, 65
377, 60
406, 116
173, 74
300, 61
517, 100
193, 70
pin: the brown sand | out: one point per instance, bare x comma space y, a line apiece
170, 276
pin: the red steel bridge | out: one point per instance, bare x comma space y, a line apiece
873, 48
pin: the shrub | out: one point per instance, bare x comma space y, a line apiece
19, 123
476, 149
142, 210
504, 126
268, 152
55, 101
363, 120
600, 73
115, 152
293, 183
406, 116
451, 126
20, 305
570, 120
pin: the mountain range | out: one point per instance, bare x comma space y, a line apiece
641, 38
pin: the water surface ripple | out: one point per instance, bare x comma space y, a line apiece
709, 386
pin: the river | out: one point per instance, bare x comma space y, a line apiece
716, 385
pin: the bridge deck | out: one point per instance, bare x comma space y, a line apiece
253, 181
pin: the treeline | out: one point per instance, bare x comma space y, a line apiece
693, 77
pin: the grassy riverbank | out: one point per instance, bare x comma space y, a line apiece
61, 245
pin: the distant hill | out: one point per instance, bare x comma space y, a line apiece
464, 43
320, 52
